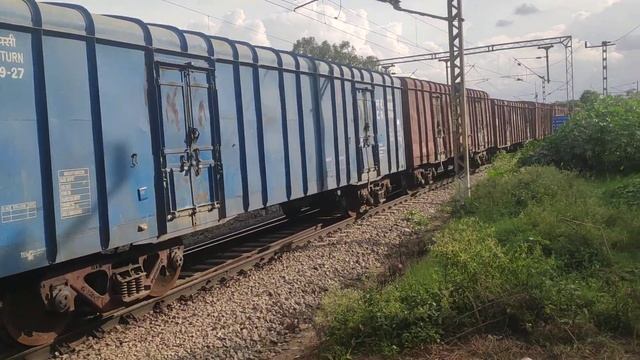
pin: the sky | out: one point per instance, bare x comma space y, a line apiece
374, 28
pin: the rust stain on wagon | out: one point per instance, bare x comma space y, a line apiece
202, 113
171, 104
202, 198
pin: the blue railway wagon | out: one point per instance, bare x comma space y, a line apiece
84, 165
290, 125
120, 133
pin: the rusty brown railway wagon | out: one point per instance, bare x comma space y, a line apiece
560, 110
535, 116
509, 122
428, 128
481, 135
544, 114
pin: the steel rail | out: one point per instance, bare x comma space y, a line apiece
97, 325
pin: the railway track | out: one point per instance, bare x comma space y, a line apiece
212, 262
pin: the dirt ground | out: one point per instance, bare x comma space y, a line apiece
306, 346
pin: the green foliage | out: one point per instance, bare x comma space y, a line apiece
555, 209
602, 137
418, 220
504, 164
538, 252
402, 315
589, 97
625, 192
510, 163
342, 53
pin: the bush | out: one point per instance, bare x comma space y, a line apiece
602, 137
537, 252
382, 322
560, 211
625, 192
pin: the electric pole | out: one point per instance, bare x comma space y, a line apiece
458, 92
455, 57
605, 67
546, 50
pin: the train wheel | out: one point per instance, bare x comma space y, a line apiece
168, 273
28, 321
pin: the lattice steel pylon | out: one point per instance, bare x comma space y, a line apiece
605, 64
568, 54
458, 94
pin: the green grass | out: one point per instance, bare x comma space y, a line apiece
538, 253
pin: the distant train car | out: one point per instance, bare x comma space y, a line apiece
560, 110
482, 137
512, 122
544, 113
427, 123
428, 127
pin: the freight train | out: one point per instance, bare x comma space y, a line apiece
120, 136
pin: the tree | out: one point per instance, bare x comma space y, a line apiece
342, 53
589, 97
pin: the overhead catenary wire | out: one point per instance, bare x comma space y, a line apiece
400, 36
395, 37
562, 87
618, 86
490, 84
627, 33
209, 16
333, 27
551, 64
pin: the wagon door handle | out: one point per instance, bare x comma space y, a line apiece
184, 163
197, 163
195, 134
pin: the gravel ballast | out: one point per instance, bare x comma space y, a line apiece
253, 316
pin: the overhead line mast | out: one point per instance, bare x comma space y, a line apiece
455, 55
605, 63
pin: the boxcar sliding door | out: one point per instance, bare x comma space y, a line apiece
188, 155
366, 136
438, 110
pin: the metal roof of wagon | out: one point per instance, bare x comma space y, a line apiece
347, 71
224, 48
288, 60
268, 56
432, 86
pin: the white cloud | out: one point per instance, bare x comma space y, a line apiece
326, 22
553, 31
581, 15
235, 25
